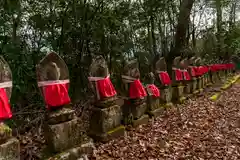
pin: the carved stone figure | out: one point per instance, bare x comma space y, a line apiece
184, 64
9, 146
134, 107
153, 96
62, 129
193, 73
163, 82
106, 114
197, 63
177, 77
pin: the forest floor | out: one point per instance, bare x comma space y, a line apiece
198, 129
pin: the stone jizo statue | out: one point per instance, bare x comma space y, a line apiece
53, 80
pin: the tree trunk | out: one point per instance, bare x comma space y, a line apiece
181, 29
154, 45
232, 16
219, 27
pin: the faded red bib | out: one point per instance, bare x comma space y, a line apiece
136, 89
153, 90
104, 87
178, 74
164, 77
186, 75
5, 111
55, 93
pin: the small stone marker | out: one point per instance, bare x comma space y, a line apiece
153, 96
186, 76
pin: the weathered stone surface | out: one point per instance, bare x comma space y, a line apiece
5, 133
157, 112
165, 96
199, 83
142, 120
187, 88
76, 153
63, 136
107, 136
10, 150
61, 115
153, 103
103, 120
178, 92
138, 110
194, 85
104, 103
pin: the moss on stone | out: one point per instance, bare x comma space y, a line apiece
116, 129
5, 132
215, 96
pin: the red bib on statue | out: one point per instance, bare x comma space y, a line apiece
136, 90
105, 88
186, 75
164, 77
153, 90
5, 111
196, 70
178, 75
193, 71
201, 70
56, 95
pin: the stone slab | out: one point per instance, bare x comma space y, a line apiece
158, 112
110, 135
62, 136
10, 150
76, 153
138, 110
153, 103
61, 115
142, 120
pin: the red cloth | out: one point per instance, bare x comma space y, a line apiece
164, 77
178, 75
196, 71
201, 70
186, 75
56, 95
136, 90
5, 111
192, 70
105, 88
153, 90
213, 68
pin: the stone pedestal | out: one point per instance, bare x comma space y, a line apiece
154, 107
166, 97
63, 131
178, 94
199, 84
105, 123
134, 112
9, 146
187, 88
193, 85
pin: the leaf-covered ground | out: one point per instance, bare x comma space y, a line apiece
199, 129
